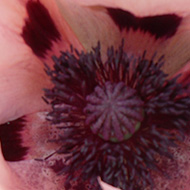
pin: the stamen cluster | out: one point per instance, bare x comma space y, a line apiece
115, 117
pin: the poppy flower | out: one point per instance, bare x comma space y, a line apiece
94, 91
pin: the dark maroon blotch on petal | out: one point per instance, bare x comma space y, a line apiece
159, 26
39, 31
11, 140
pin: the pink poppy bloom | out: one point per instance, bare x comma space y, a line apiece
94, 94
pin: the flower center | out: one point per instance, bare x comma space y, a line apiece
115, 117
114, 112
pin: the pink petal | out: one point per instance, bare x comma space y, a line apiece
37, 135
143, 7
93, 23
22, 75
21, 89
8, 175
28, 175
27, 138
38, 166
46, 31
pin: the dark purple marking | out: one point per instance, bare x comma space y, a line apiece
11, 140
39, 31
159, 26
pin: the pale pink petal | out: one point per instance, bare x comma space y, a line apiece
22, 75
22, 79
143, 7
92, 22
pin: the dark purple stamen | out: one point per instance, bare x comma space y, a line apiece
11, 140
95, 104
39, 31
159, 25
